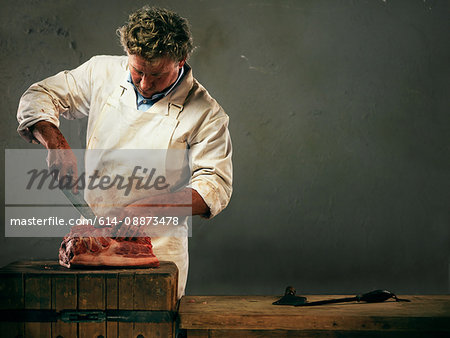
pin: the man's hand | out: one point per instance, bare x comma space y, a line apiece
127, 229
60, 156
64, 163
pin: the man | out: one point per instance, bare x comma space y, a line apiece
145, 100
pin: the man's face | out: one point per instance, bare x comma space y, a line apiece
152, 77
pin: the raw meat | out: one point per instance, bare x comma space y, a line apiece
89, 246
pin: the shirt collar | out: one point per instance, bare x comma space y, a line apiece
157, 96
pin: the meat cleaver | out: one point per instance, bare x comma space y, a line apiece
81, 205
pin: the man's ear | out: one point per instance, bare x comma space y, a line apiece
181, 63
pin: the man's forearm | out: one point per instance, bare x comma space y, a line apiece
60, 156
49, 135
170, 204
199, 207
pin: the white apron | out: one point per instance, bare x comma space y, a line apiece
120, 125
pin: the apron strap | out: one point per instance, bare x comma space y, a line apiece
175, 110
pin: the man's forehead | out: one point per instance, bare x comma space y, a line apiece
153, 64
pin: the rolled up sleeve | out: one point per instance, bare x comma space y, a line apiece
66, 93
212, 171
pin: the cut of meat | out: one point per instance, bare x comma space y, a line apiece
89, 246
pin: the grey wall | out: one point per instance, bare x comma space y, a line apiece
340, 125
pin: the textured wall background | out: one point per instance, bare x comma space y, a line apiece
340, 122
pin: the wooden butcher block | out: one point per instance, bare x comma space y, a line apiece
44, 299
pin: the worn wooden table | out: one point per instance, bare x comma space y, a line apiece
255, 316
46, 288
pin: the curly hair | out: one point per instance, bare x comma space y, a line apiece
156, 32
